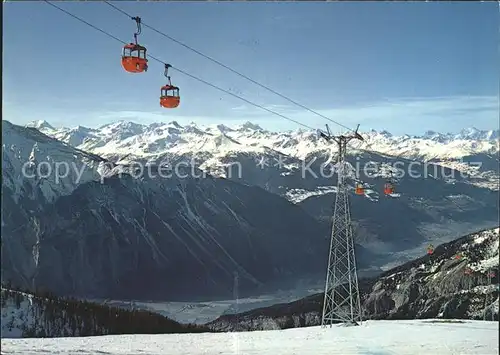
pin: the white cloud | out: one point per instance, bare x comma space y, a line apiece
412, 115
402, 115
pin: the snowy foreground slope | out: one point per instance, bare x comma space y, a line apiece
372, 337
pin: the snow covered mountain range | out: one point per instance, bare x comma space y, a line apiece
472, 151
125, 137
92, 231
127, 141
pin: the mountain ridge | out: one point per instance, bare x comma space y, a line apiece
105, 234
471, 133
459, 280
471, 151
144, 132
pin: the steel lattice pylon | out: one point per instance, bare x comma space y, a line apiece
341, 301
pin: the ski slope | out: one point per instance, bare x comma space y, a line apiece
371, 338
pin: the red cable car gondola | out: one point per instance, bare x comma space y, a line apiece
134, 55
388, 188
359, 190
389, 185
169, 94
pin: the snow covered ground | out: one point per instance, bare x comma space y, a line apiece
371, 338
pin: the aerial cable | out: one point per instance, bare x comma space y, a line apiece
238, 73
182, 71
204, 81
229, 68
196, 78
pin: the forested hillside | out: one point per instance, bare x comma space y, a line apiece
45, 315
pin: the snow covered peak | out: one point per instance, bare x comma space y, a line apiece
122, 125
467, 134
430, 134
224, 128
436, 136
492, 135
473, 133
40, 125
122, 130
386, 134
174, 124
28, 149
249, 126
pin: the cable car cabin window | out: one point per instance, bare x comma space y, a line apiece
170, 92
142, 53
138, 53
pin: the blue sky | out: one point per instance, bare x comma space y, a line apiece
403, 67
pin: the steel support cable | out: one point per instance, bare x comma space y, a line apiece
190, 75
229, 68
208, 83
182, 71
367, 149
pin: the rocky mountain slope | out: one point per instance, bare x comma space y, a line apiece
113, 235
177, 238
30, 184
458, 281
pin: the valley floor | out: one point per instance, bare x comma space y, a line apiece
204, 312
371, 338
